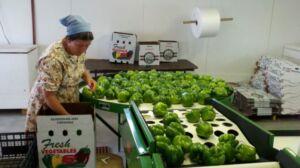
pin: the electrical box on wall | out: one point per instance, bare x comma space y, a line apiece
18, 73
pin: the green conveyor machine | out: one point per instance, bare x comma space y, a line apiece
140, 148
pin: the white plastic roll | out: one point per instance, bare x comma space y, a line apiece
208, 22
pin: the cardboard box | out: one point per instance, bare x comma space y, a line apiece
168, 51
123, 47
149, 53
67, 140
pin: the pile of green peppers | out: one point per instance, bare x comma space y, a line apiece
173, 147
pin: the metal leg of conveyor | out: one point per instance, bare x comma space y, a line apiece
119, 137
108, 126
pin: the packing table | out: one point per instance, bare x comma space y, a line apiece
98, 66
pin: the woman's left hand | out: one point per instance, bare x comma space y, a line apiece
86, 76
92, 84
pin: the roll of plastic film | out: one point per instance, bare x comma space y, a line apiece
207, 22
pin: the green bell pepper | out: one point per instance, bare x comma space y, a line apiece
157, 129
204, 130
87, 92
162, 138
165, 99
103, 81
203, 95
174, 129
110, 94
193, 116
196, 152
174, 155
160, 109
137, 98
123, 96
219, 92
99, 92
161, 147
170, 117
229, 138
215, 155
245, 153
175, 98
187, 99
229, 150
183, 141
149, 95
208, 113
162, 143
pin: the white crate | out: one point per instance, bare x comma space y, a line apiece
149, 53
168, 51
123, 46
66, 137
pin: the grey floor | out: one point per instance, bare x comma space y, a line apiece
13, 121
104, 136
280, 123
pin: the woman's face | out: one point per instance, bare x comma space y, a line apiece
77, 47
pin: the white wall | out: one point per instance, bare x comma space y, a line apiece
259, 27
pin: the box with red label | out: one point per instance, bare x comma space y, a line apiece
149, 53
67, 140
168, 50
123, 47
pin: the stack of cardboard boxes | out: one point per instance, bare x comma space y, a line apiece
251, 101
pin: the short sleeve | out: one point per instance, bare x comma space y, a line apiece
83, 58
51, 74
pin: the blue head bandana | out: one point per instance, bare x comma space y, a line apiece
75, 24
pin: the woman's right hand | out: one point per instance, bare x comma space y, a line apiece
53, 103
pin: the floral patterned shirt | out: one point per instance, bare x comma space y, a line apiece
58, 72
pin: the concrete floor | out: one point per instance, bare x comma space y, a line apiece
13, 121
280, 123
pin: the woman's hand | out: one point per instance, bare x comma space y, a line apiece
92, 84
53, 103
89, 80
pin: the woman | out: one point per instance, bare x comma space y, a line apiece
60, 69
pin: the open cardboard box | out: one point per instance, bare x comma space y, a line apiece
67, 140
73, 108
